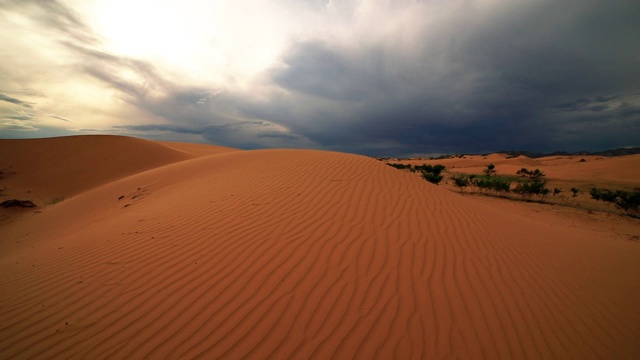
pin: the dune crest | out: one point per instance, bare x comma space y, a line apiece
307, 254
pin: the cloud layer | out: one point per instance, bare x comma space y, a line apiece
372, 77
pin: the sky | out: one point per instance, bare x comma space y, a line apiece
373, 77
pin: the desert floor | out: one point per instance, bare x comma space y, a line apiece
561, 172
142, 249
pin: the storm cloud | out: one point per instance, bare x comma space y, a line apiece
387, 78
524, 76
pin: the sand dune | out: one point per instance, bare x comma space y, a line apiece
306, 254
65, 166
623, 169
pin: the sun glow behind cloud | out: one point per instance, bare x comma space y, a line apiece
218, 43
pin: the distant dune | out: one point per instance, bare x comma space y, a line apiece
66, 166
622, 169
165, 250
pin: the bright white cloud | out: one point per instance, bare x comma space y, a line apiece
221, 43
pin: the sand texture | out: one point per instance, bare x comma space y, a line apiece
180, 252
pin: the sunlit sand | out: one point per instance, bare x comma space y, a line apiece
142, 249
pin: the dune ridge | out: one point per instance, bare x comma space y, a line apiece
306, 254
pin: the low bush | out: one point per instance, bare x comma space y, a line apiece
490, 170
628, 201
400, 166
535, 174
605, 195
498, 185
431, 177
575, 191
460, 181
432, 174
533, 187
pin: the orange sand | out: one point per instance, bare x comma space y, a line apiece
291, 254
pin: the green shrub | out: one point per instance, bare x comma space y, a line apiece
575, 191
432, 173
436, 169
490, 170
628, 201
496, 184
532, 187
431, 177
460, 181
501, 185
605, 195
400, 166
535, 174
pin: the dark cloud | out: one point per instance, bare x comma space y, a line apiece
28, 130
184, 105
316, 69
59, 118
17, 117
25, 115
275, 135
487, 84
159, 127
254, 135
13, 100
17, 126
27, 92
240, 134
110, 69
208, 114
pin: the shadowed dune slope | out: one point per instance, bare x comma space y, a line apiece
65, 166
307, 254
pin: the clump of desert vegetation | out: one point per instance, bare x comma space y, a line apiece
528, 184
400, 166
462, 181
627, 201
490, 170
431, 173
531, 185
525, 184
